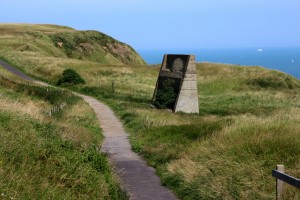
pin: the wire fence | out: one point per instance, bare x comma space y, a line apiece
58, 98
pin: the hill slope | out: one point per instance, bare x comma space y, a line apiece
28, 40
248, 123
50, 156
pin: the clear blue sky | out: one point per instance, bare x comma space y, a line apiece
166, 24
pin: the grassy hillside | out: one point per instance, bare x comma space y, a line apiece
55, 157
248, 122
51, 44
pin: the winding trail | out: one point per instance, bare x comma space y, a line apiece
139, 180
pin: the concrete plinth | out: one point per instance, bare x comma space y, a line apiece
181, 70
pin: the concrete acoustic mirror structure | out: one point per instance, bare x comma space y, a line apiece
176, 86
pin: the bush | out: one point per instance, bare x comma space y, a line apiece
166, 97
70, 76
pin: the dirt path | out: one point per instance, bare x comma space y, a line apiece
139, 180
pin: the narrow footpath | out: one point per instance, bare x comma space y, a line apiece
138, 179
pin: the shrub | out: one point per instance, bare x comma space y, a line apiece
166, 96
70, 76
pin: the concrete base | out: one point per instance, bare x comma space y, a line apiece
181, 69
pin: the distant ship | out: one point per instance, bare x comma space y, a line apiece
259, 50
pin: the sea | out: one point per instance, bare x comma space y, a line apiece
285, 59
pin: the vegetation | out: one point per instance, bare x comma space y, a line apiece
49, 45
42, 157
243, 131
166, 96
70, 76
248, 122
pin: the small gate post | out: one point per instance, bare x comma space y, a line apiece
279, 184
113, 86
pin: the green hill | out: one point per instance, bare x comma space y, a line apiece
248, 120
32, 41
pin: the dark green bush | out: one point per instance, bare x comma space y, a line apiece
70, 76
166, 97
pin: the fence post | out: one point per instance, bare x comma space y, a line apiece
113, 87
279, 184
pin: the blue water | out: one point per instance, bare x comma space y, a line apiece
284, 59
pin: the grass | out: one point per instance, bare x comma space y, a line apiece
33, 47
56, 157
229, 149
248, 122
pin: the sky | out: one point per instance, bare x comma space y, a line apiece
170, 24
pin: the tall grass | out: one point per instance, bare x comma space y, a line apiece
227, 151
43, 157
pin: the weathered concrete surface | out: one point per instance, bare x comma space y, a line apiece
182, 70
187, 100
139, 180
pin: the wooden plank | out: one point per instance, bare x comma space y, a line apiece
286, 178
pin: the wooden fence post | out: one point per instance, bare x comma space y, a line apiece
279, 184
113, 87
